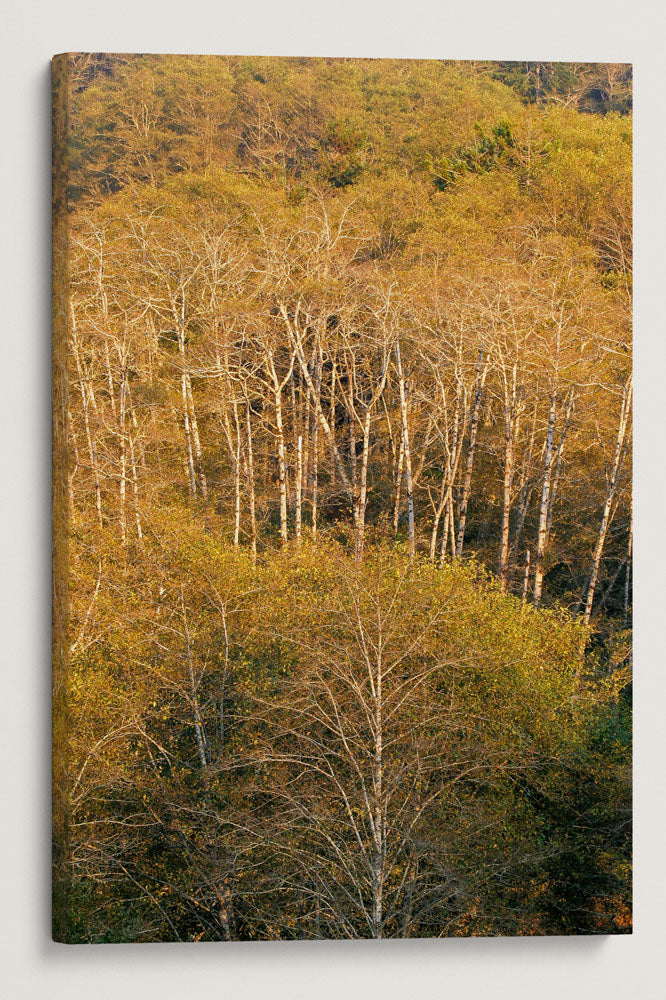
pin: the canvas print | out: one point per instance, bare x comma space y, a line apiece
342, 498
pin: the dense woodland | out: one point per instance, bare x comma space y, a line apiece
349, 499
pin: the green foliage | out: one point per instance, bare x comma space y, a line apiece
499, 150
594, 87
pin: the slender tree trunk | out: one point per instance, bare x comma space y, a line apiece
282, 466
295, 423
109, 377
250, 480
408, 898
278, 386
315, 485
408, 460
425, 444
138, 440
123, 459
314, 465
391, 453
448, 529
234, 439
445, 532
611, 489
439, 510
98, 489
316, 401
627, 577
398, 484
224, 899
452, 471
306, 411
299, 488
509, 419
189, 415
90, 440
306, 443
203, 485
452, 522
72, 474
378, 824
542, 531
352, 450
332, 420
188, 438
363, 488
222, 695
237, 477
135, 486
558, 459
473, 429
294, 426
199, 731
525, 490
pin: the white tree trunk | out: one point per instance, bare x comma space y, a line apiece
314, 465
188, 437
473, 430
611, 489
282, 465
332, 420
203, 485
135, 486
237, 477
189, 414
408, 459
627, 577
525, 490
85, 399
558, 459
379, 817
199, 731
439, 510
123, 458
72, 473
398, 484
542, 531
363, 488
250, 480
316, 401
509, 428
299, 488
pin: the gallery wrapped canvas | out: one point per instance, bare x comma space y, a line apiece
342, 498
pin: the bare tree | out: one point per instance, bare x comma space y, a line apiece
612, 480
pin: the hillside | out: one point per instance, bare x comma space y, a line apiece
350, 385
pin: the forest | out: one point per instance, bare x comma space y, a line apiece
342, 498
